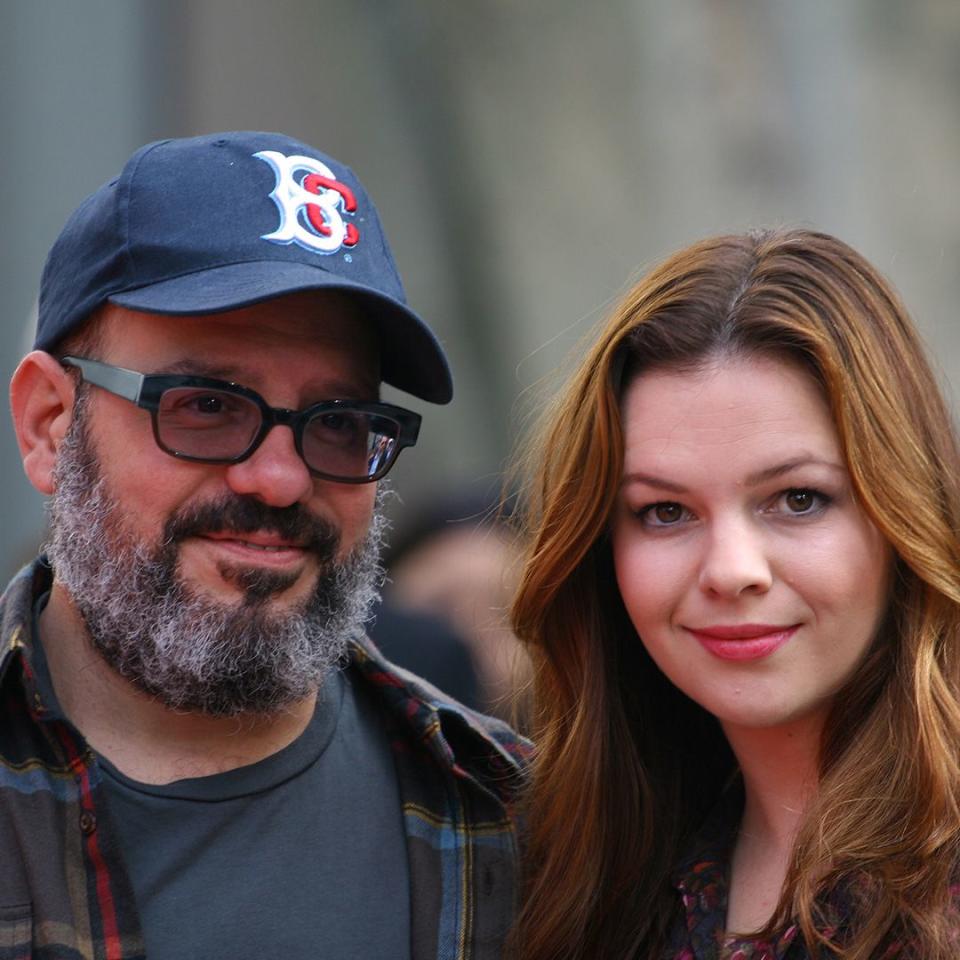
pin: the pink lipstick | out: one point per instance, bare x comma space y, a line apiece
744, 641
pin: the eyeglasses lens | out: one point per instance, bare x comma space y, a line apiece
206, 423
217, 425
349, 444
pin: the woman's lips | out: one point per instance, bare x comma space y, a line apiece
748, 641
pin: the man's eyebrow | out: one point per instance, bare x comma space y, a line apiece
334, 389
200, 368
753, 480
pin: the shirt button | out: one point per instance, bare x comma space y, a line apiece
38, 703
88, 822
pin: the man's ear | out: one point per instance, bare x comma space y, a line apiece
41, 398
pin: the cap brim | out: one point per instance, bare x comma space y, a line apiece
411, 356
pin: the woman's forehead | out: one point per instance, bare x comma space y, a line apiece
726, 408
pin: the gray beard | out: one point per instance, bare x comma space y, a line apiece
189, 650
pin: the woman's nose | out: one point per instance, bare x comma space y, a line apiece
735, 561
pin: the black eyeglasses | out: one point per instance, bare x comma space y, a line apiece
215, 421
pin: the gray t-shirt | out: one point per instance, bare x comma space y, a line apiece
299, 855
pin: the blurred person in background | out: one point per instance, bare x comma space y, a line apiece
428, 645
742, 600
200, 752
456, 566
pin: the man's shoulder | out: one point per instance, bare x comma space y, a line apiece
461, 738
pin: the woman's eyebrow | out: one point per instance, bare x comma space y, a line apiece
650, 480
771, 473
753, 480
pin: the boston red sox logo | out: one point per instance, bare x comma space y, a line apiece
312, 203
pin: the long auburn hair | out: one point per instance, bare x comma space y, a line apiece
627, 766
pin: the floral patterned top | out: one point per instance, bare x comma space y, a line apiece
701, 880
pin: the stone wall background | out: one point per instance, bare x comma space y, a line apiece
528, 158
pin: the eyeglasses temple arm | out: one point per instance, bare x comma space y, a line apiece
124, 383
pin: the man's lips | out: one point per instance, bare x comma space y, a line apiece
743, 641
254, 539
256, 547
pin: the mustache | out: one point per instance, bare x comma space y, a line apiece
249, 515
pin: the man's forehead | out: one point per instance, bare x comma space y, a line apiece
312, 320
320, 342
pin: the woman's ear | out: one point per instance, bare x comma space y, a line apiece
41, 399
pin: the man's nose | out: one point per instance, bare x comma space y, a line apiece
735, 560
275, 473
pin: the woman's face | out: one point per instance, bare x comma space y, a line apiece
751, 574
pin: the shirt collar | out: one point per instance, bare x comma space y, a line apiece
475, 747
16, 626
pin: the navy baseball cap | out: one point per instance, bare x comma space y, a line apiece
213, 223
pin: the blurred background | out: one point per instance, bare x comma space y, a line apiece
528, 158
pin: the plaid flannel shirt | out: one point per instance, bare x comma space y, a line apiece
64, 890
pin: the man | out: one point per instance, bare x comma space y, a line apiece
200, 754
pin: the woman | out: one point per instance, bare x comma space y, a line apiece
742, 597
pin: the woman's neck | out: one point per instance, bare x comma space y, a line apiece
780, 775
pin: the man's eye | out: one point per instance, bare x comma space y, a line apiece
340, 429
221, 405
208, 404
190, 407
338, 422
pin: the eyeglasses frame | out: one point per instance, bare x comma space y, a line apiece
145, 391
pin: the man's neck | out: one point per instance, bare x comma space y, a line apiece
141, 737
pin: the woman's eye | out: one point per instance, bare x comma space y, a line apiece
802, 501
663, 514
